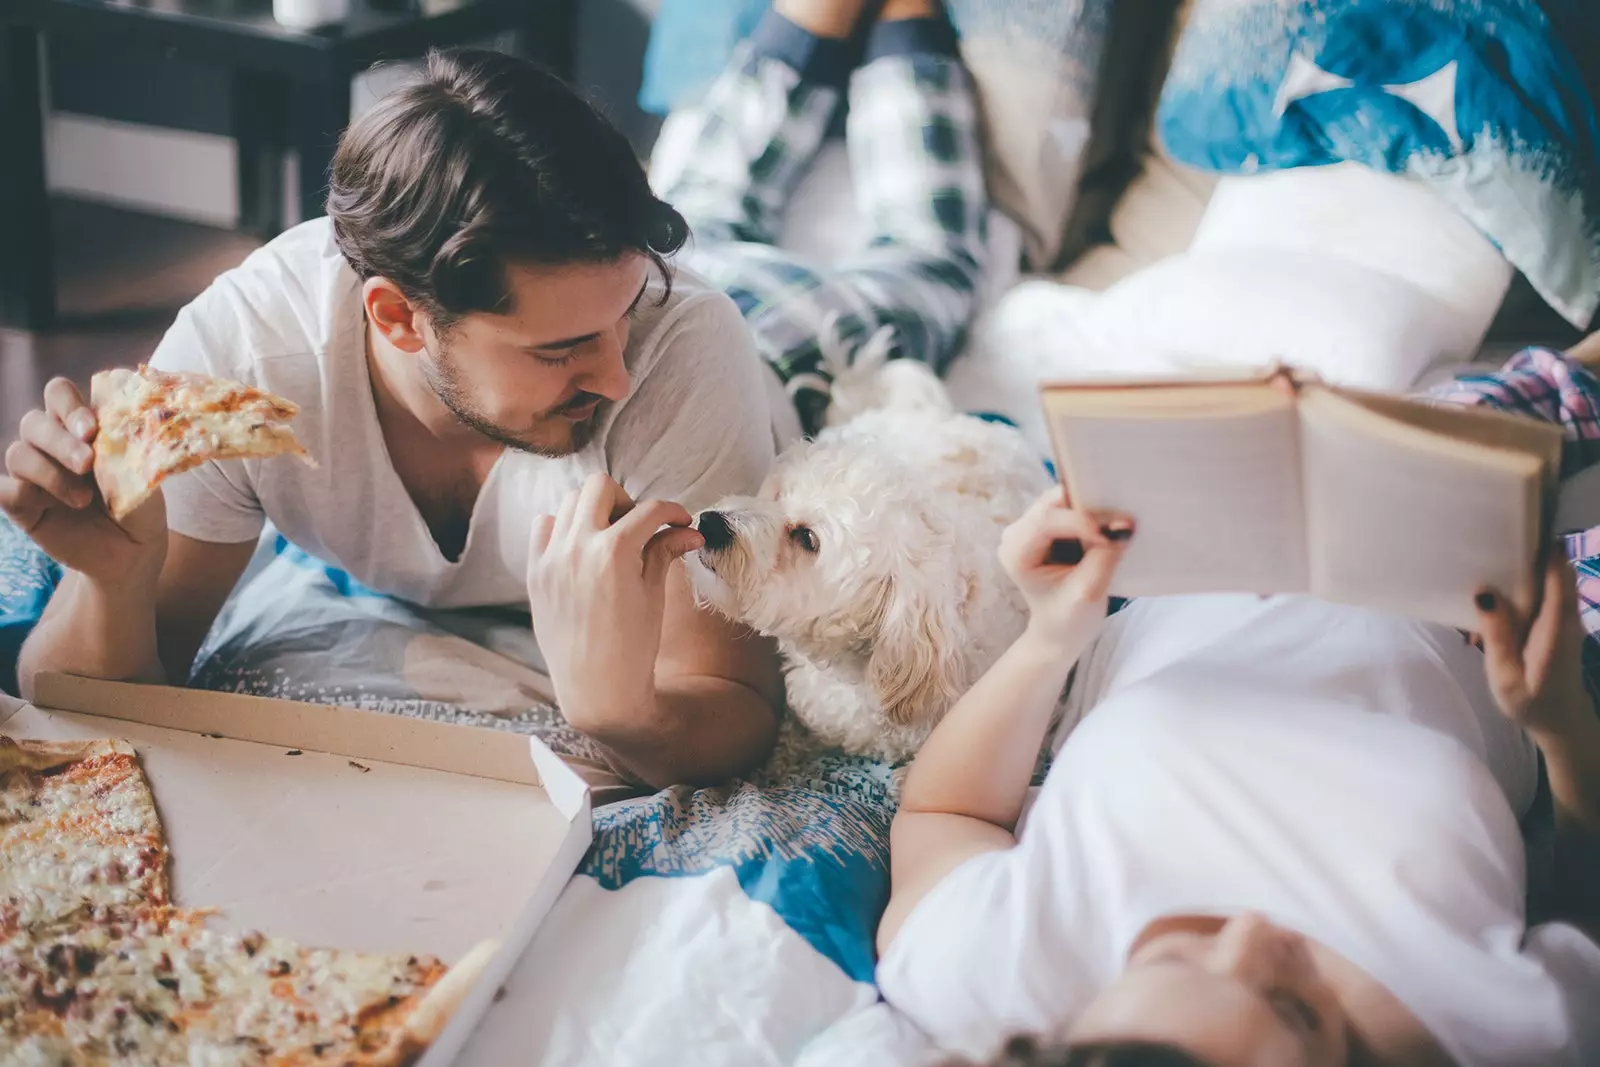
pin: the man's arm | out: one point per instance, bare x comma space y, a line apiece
144, 626
719, 693
673, 693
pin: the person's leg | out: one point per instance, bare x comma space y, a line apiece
917, 164
761, 123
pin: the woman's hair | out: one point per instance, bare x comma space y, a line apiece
1024, 1051
488, 161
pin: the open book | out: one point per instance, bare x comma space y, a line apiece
1248, 485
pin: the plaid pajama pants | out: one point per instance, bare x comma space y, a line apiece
1542, 384
912, 136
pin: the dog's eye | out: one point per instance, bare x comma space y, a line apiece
805, 537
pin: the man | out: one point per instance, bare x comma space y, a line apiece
512, 400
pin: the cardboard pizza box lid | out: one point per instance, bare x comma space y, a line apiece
339, 827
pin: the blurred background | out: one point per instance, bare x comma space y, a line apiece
142, 157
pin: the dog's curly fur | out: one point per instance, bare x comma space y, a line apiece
870, 554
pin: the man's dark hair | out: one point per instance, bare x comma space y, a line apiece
487, 161
1024, 1051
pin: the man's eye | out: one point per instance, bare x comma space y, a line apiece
806, 538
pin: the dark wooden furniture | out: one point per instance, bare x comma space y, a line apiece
291, 90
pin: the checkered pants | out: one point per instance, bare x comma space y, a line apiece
915, 162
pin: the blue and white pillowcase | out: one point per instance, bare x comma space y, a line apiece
1486, 101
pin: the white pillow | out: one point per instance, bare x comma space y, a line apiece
1229, 306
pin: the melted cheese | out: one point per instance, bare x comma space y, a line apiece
82, 841
172, 991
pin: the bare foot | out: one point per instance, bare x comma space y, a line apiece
824, 18
894, 10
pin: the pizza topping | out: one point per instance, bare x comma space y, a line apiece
79, 840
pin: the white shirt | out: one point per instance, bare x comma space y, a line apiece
1344, 773
696, 426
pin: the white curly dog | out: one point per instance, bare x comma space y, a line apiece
870, 555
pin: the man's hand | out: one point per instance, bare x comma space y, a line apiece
1062, 560
48, 490
1536, 670
597, 574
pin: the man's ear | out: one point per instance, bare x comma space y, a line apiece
392, 314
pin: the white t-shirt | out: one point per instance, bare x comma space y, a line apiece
697, 426
1344, 773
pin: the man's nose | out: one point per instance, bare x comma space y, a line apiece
608, 375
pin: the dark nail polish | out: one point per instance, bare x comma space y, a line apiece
1117, 533
1065, 553
1485, 601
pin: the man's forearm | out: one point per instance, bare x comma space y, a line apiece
95, 631
693, 731
979, 761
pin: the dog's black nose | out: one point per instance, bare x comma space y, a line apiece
713, 526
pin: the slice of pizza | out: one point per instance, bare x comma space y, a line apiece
80, 839
170, 990
97, 967
154, 424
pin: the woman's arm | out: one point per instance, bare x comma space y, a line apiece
964, 791
1536, 674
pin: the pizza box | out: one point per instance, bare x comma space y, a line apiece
342, 828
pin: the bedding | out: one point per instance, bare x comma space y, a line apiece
714, 926
1489, 103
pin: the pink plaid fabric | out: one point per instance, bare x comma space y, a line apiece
1546, 385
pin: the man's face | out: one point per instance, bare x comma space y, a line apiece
537, 377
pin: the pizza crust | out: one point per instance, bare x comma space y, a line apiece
23, 754
427, 1020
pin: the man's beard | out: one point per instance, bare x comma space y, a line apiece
444, 379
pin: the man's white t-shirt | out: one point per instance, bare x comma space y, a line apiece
1344, 773
697, 426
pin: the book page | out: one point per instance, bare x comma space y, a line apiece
1414, 523
1482, 425
1215, 495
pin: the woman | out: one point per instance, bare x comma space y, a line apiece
1279, 832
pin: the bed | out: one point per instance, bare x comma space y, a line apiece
735, 925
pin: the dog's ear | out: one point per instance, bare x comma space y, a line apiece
916, 668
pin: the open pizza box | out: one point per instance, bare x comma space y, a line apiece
343, 828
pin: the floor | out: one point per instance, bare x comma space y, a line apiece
122, 277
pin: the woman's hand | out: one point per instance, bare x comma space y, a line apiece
1062, 560
1536, 669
